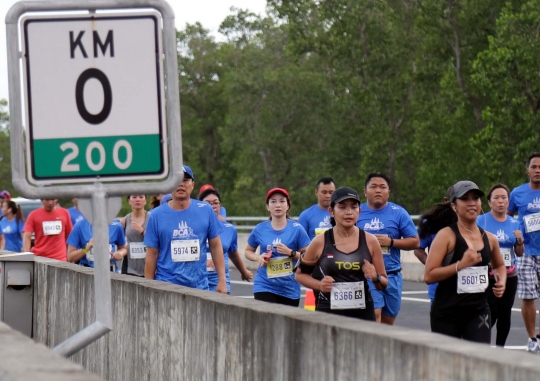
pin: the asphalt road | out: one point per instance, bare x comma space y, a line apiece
414, 312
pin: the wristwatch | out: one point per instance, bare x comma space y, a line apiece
378, 278
293, 253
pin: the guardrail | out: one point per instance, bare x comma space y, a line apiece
247, 224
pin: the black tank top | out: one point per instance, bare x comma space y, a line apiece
341, 266
447, 301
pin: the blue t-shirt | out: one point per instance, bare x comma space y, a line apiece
504, 231
229, 242
526, 201
315, 220
266, 238
82, 233
391, 220
197, 222
12, 231
75, 215
425, 243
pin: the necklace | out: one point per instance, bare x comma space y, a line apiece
464, 227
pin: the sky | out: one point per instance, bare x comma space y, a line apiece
210, 13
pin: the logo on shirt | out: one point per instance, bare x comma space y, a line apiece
502, 236
80, 218
375, 224
183, 231
7, 229
535, 205
325, 223
274, 244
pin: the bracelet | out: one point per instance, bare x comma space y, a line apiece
457, 267
85, 250
391, 242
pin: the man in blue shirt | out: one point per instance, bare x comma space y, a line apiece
176, 237
525, 199
395, 231
316, 219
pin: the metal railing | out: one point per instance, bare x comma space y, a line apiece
247, 224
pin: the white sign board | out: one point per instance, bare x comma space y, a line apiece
94, 97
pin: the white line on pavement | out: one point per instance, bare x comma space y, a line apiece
413, 292
416, 300
251, 296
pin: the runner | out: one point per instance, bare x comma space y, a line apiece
458, 260
134, 225
51, 225
395, 231
229, 241
508, 233
525, 200
176, 239
75, 213
347, 256
316, 218
280, 241
4, 196
81, 245
11, 227
440, 216
222, 211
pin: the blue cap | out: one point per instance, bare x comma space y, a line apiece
188, 171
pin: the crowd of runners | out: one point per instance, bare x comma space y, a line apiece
347, 251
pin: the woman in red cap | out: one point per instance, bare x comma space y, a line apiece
222, 216
280, 241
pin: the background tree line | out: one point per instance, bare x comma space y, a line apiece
428, 91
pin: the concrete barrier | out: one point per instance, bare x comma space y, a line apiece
167, 332
21, 360
413, 269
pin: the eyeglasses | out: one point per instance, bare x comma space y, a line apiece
215, 203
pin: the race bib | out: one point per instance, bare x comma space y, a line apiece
185, 250
319, 231
279, 267
348, 295
532, 222
472, 280
507, 256
90, 256
52, 227
137, 250
385, 249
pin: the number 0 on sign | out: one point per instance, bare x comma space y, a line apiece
94, 97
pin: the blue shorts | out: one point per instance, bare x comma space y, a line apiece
390, 299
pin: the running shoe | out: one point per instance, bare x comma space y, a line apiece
533, 347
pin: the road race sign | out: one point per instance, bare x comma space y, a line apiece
94, 94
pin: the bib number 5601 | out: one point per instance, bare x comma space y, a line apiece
73, 153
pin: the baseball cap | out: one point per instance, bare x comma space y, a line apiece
5, 194
205, 187
277, 190
344, 193
188, 171
462, 187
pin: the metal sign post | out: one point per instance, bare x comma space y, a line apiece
101, 110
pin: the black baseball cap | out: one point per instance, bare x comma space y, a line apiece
462, 187
344, 193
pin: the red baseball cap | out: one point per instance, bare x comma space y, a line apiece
205, 187
277, 190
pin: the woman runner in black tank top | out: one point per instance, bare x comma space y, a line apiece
346, 257
458, 260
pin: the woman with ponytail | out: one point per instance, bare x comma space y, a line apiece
11, 227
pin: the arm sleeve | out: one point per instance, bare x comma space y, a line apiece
20, 226
426, 242
252, 239
151, 238
120, 236
512, 207
223, 212
303, 220
69, 224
